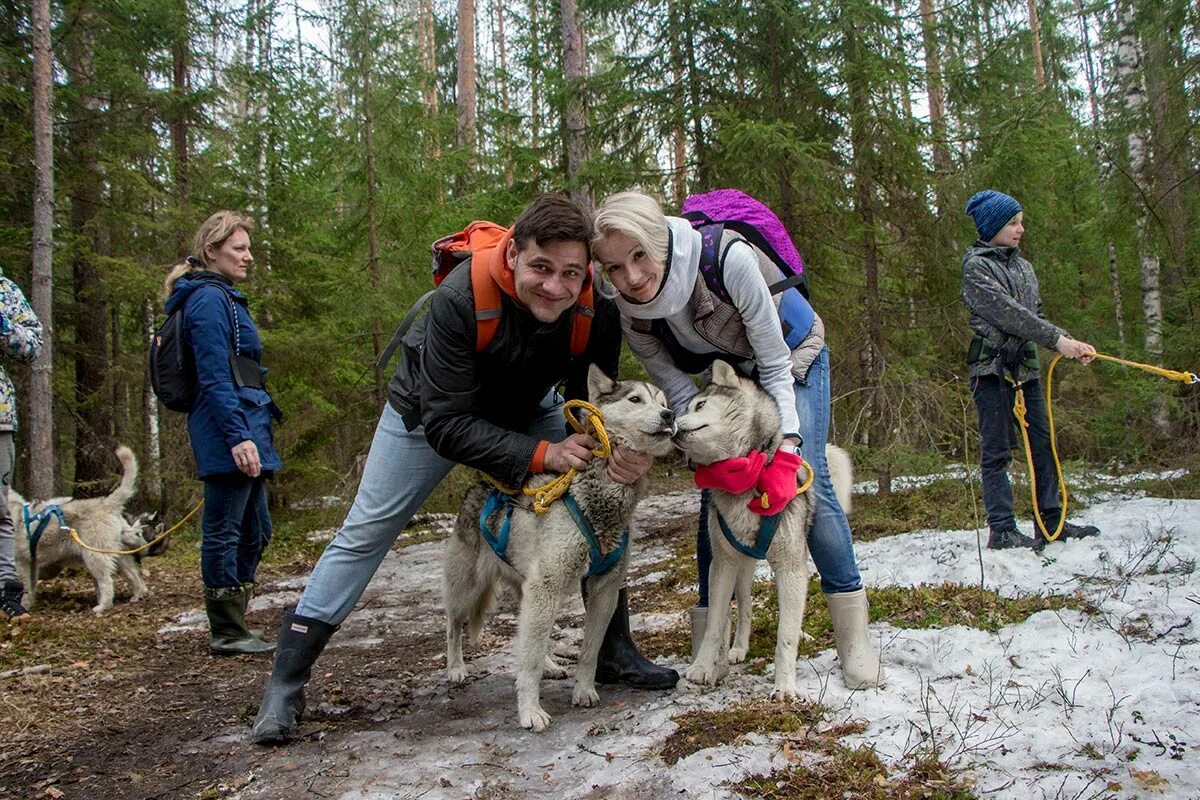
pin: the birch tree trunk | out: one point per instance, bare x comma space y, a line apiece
465, 131
575, 76
373, 266
1129, 64
41, 397
505, 103
1103, 168
152, 481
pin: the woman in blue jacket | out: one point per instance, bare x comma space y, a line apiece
229, 423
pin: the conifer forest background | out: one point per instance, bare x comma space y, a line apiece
356, 132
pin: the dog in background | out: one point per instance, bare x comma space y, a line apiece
101, 524
730, 418
547, 554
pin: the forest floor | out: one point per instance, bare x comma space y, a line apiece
131, 705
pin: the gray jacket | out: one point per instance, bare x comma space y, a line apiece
1001, 292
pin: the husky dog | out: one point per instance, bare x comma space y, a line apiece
547, 554
100, 524
730, 418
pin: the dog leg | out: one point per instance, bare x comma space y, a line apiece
553, 670
460, 595
712, 662
792, 586
539, 607
602, 601
133, 573
101, 567
741, 642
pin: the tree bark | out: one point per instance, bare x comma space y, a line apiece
937, 104
373, 266
1035, 32
575, 77
152, 480
862, 167
505, 103
465, 131
41, 397
93, 437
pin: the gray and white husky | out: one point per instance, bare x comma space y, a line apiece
100, 523
547, 554
728, 419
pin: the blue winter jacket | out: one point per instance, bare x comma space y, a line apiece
224, 414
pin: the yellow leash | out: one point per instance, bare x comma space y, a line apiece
149, 544
1019, 413
547, 493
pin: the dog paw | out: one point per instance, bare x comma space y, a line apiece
785, 691
98, 610
534, 718
737, 655
457, 674
553, 669
587, 697
706, 674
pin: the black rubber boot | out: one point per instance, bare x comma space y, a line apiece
620, 661
227, 624
301, 640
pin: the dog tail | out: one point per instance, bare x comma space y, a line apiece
129, 473
841, 470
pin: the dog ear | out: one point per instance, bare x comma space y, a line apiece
598, 382
723, 374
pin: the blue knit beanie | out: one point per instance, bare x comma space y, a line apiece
991, 211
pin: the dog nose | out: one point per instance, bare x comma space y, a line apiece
668, 417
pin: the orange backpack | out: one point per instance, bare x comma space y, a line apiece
478, 242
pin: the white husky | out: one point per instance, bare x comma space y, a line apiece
547, 554
728, 419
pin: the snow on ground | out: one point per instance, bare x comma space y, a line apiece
1062, 705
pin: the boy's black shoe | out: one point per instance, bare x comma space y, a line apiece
10, 600
1008, 537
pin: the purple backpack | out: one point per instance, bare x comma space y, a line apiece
714, 211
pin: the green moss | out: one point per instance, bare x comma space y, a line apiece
699, 730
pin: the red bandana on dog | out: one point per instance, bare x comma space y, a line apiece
775, 482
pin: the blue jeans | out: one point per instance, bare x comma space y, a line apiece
829, 541
402, 470
994, 398
236, 529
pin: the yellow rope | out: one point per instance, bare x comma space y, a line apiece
151, 543
548, 492
1019, 413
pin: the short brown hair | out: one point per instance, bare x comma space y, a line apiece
553, 218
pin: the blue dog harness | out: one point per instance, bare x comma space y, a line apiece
35, 524
762, 540
599, 563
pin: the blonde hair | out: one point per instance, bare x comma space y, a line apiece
638, 216
214, 231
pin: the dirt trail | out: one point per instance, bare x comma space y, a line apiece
168, 721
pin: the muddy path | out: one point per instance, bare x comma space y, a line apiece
156, 717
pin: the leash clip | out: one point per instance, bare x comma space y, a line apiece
1193, 377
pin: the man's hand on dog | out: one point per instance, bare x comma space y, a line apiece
245, 456
627, 466
574, 452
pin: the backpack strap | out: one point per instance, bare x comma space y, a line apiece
487, 302
584, 312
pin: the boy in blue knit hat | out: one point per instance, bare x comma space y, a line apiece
1000, 290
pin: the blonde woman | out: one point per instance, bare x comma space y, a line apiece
229, 423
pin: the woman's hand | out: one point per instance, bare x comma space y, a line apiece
626, 466
245, 456
1073, 348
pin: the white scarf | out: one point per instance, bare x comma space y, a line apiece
683, 264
